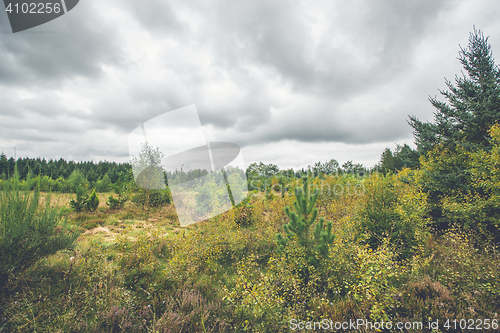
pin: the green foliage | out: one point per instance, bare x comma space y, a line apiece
267, 301
328, 168
464, 185
76, 179
103, 184
217, 276
28, 232
147, 168
151, 198
62, 185
83, 202
93, 202
371, 277
391, 208
211, 196
301, 220
461, 130
123, 197
473, 104
116, 203
263, 170
354, 169
403, 157
149, 177
80, 204
387, 161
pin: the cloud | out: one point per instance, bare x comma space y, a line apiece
276, 77
73, 46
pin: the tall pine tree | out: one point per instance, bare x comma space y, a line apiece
460, 130
473, 103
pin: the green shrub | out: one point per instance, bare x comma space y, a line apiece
80, 203
62, 185
93, 202
151, 198
103, 185
394, 209
28, 232
116, 203
76, 179
44, 183
83, 202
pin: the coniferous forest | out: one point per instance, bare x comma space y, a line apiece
410, 244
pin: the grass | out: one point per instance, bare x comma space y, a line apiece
138, 271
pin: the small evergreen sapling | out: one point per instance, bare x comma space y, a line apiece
117, 203
83, 201
80, 203
93, 202
300, 222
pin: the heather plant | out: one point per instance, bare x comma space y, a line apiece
243, 213
188, 310
122, 319
142, 259
453, 261
65, 291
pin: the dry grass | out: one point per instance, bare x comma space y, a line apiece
63, 199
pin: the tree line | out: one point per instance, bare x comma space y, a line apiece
61, 168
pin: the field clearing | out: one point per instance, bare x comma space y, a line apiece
105, 225
63, 199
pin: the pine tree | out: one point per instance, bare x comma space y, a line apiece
406, 157
80, 203
301, 220
473, 102
387, 161
460, 130
93, 202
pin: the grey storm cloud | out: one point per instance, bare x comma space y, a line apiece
259, 72
74, 45
157, 16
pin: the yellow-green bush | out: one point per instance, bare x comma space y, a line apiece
395, 209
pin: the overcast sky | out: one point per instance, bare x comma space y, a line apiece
290, 82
